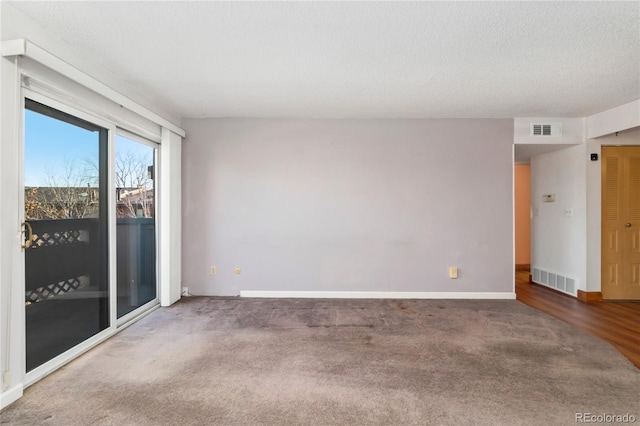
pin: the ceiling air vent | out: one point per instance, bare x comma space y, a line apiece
547, 129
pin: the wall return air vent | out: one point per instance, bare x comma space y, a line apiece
550, 279
546, 129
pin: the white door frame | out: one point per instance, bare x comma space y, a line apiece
52, 365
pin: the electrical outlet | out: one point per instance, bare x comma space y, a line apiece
185, 291
453, 272
213, 270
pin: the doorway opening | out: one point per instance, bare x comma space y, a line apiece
522, 217
66, 221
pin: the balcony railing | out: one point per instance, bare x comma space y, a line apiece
64, 257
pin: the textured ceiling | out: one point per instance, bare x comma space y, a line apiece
383, 59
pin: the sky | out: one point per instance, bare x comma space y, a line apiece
55, 149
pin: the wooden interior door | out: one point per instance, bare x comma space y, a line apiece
621, 222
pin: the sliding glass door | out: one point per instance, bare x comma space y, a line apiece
135, 223
71, 231
66, 228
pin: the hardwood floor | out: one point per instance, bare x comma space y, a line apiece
615, 322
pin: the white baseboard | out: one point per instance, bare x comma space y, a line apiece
11, 395
378, 295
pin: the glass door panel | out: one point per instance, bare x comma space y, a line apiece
135, 224
66, 245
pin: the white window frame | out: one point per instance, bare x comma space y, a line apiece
70, 89
154, 304
62, 359
115, 324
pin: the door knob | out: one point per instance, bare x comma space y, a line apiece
29, 235
628, 225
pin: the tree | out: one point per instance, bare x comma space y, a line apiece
73, 192
134, 181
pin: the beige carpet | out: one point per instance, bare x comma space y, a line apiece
336, 362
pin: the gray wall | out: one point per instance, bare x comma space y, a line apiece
347, 205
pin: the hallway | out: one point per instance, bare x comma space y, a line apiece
615, 322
